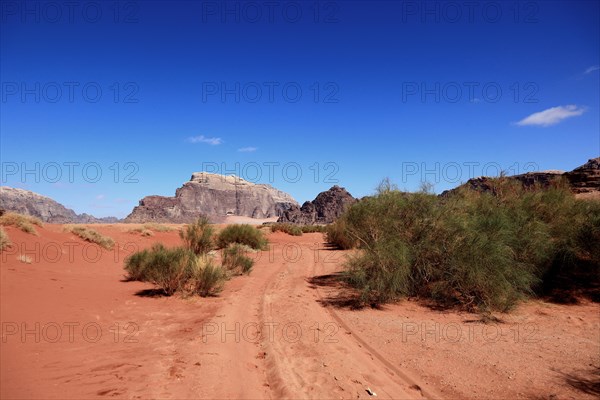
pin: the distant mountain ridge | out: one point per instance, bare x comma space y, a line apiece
584, 180
48, 210
218, 196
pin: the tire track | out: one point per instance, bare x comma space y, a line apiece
316, 364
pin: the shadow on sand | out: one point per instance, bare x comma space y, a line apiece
151, 293
588, 383
341, 294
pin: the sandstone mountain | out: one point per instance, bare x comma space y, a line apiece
29, 203
584, 181
215, 196
324, 209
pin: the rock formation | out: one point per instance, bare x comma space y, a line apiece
215, 196
324, 209
585, 179
29, 203
582, 180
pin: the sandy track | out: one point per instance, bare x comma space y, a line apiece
313, 353
270, 338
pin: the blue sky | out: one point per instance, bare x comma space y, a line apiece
106, 102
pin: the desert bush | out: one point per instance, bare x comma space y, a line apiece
4, 239
243, 234
23, 222
93, 236
153, 226
142, 231
137, 262
339, 236
207, 279
168, 268
198, 237
235, 259
290, 229
175, 269
483, 251
313, 228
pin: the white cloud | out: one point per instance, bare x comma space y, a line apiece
100, 197
247, 149
203, 139
552, 116
592, 69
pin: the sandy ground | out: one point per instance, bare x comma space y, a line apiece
237, 219
73, 328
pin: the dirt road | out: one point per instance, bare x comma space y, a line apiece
274, 339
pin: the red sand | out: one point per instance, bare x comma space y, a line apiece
283, 331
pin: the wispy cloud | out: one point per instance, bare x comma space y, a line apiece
552, 116
213, 141
247, 149
592, 69
100, 197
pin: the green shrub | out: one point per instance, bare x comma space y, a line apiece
290, 229
168, 268
142, 231
171, 269
175, 270
483, 251
138, 261
208, 279
23, 222
339, 236
243, 234
93, 236
235, 259
198, 237
313, 228
4, 239
152, 226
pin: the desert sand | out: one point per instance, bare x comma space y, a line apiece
73, 327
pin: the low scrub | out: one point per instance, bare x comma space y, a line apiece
208, 279
175, 270
235, 259
153, 226
198, 237
23, 222
290, 229
313, 228
92, 236
339, 236
142, 231
476, 250
242, 234
4, 239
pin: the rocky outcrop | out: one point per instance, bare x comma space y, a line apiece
29, 203
585, 179
582, 180
215, 196
324, 209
